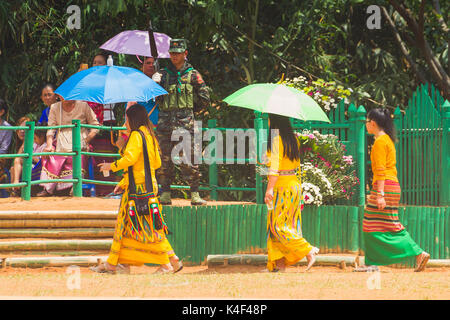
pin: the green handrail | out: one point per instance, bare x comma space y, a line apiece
355, 125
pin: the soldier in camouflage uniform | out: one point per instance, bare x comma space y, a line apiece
187, 93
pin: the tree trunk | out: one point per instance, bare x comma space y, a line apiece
438, 73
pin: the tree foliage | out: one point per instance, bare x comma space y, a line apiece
234, 43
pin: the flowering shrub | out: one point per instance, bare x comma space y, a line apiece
325, 165
326, 94
311, 194
327, 174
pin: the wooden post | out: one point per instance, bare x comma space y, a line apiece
444, 194
28, 161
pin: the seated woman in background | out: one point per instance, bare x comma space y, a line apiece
48, 97
16, 169
38, 146
60, 167
102, 141
5, 142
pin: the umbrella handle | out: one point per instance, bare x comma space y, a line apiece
152, 42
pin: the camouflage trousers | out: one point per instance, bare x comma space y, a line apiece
170, 121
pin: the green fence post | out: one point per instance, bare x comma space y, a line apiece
76, 163
398, 148
259, 127
357, 118
28, 161
212, 170
360, 137
444, 195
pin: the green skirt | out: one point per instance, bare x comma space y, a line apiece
385, 248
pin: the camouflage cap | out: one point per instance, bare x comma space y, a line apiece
177, 45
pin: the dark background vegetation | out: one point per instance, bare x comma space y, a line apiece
234, 43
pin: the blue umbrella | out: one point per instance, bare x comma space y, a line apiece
110, 84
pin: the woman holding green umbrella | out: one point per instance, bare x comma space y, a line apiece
285, 243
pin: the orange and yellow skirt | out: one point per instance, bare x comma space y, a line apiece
285, 238
136, 242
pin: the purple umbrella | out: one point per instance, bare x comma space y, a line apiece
137, 42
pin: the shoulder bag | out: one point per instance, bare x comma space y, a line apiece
145, 203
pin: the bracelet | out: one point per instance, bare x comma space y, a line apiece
381, 193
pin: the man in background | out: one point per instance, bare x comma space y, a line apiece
187, 93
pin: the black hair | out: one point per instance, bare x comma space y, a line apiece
48, 85
288, 138
383, 119
3, 106
40, 133
137, 116
103, 54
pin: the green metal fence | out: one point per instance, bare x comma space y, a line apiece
76, 153
202, 230
423, 148
423, 153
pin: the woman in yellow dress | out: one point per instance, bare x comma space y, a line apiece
136, 239
285, 243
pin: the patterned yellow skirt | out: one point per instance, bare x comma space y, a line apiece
135, 239
285, 238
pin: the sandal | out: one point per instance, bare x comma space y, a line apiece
102, 268
177, 266
366, 269
422, 261
268, 271
123, 268
311, 257
162, 270
15, 192
43, 193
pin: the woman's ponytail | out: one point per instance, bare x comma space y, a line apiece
383, 118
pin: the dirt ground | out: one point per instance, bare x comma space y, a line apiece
231, 282
201, 282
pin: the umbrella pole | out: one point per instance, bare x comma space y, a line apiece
151, 38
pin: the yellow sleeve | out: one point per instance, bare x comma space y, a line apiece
380, 153
123, 184
275, 156
155, 160
131, 153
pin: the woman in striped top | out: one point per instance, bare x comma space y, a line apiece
385, 238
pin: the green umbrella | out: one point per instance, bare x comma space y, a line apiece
278, 99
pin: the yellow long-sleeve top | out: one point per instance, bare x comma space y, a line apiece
383, 159
133, 155
278, 162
